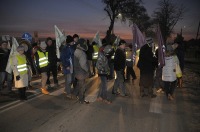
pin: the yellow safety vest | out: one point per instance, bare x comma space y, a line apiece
22, 66
96, 51
43, 59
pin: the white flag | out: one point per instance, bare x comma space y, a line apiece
13, 50
117, 40
97, 39
60, 38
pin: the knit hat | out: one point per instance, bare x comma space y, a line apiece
3, 42
69, 39
149, 40
82, 43
20, 48
43, 45
122, 42
75, 36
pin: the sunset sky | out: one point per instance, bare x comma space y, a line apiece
84, 17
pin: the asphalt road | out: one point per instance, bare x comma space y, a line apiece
54, 113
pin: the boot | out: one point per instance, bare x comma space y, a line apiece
44, 91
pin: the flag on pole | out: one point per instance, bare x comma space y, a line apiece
60, 38
13, 50
138, 40
161, 48
97, 39
117, 40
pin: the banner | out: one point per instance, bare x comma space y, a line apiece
12, 51
161, 48
138, 40
117, 40
60, 38
97, 39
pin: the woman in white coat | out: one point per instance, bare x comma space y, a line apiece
170, 72
20, 69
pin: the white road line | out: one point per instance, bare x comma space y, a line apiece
156, 105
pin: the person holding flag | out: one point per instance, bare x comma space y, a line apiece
4, 56
146, 64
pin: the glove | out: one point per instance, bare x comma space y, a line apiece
18, 78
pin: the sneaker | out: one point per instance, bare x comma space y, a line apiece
115, 93
170, 97
44, 91
84, 102
107, 101
99, 99
159, 90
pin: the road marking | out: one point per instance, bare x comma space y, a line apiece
156, 105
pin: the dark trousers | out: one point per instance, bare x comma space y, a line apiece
169, 87
22, 93
53, 70
130, 71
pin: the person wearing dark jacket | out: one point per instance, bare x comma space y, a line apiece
119, 66
146, 64
103, 71
52, 58
89, 53
67, 59
41, 58
4, 56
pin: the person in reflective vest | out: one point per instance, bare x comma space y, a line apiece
20, 69
41, 60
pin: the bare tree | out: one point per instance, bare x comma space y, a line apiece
167, 16
115, 7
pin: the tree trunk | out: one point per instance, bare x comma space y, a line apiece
108, 34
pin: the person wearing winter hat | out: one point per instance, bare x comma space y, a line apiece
67, 59
119, 66
41, 59
81, 69
4, 58
170, 72
20, 70
103, 72
147, 64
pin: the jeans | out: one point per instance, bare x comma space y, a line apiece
130, 71
8, 77
119, 82
103, 88
68, 81
169, 87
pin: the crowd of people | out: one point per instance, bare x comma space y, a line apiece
78, 62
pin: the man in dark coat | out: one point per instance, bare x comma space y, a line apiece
89, 53
146, 64
4, 55
52, 58
119, 66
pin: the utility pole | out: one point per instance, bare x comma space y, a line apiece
198, 31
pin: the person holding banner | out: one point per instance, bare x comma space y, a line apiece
20, 69
4, 56
147, 64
